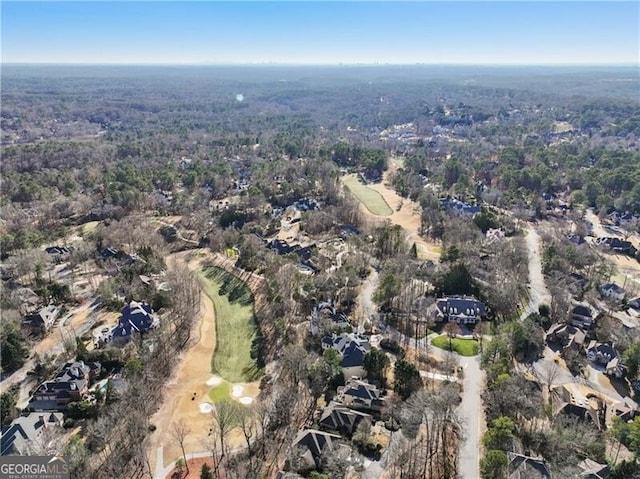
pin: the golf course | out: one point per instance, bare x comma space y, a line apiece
235, 325
371, 199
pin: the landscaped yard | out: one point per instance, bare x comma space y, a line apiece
235, 326
371, 199
464, 347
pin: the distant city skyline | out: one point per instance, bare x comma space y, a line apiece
322, 33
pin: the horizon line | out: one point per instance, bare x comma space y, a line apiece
323, 64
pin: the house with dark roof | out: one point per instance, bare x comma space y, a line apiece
461, 309
58, 251
313, 444
617, 245
22, 435
360, 394
327, 312
577, 279
594, 470
582, 315
306, 204
352, 349
633, 307
43, 320
135, 318
575, 239
70, 384
526, 466
459, 207
612, 291
569, 337
109, 253
341, 419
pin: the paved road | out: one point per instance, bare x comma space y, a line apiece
538, 292
471, 416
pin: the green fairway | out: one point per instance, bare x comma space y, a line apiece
220, 392
464, 347
371, 199
235, 325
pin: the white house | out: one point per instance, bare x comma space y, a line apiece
612, 291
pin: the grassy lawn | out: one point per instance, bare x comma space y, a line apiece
89, 227
220, 392
371, 199
464, 347
235, 325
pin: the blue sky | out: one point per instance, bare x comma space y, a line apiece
566, 32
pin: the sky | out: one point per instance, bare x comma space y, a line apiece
454, 32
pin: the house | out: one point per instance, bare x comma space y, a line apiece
313, 445
569, 337
612, 291
627, 410
526, 466
461, 309
326, 311
43, 319
617, 245
492, 235
633, 307
360, 394
58, 251
575, 239
21, 437
341, 419
593, 470
135, 317
459, 207
600, 353
605, 355
70, 384
352, 349
29, 301
581, 316
577, 282
569, 400
109, 253
349, 230
306, 204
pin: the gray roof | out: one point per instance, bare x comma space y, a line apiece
459, 306
315, 441
24, 429
341, 418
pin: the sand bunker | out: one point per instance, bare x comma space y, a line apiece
236, 391
214, 381
246, 400
206, 407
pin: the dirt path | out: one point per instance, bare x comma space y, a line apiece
191, 375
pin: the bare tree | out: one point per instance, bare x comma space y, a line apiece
247, 422
180, 431
225, 417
